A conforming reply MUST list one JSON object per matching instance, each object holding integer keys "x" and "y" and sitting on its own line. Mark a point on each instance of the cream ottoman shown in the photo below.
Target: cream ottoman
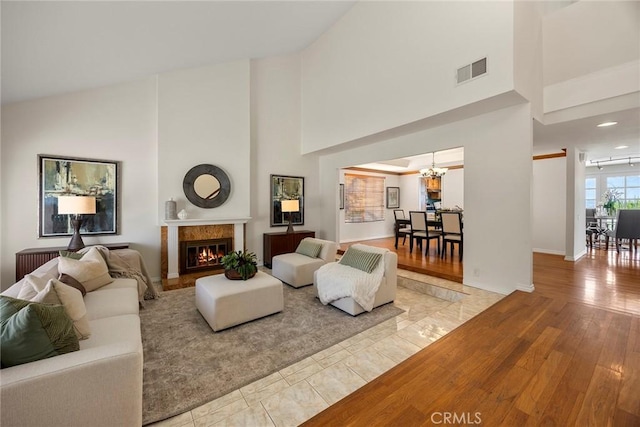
{"x": 225, "y": 303}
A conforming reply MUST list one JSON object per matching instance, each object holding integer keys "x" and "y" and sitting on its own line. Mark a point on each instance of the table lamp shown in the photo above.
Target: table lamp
{"x": 290, "y": 206}
{"x": 76, "y": 206}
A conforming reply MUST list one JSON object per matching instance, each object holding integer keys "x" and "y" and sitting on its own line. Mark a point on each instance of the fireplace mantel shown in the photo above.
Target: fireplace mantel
{"x": 173, "y": 245}
{"x": 204, "y": 221}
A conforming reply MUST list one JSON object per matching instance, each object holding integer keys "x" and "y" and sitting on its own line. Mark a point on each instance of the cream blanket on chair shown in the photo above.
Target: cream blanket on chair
{"x": 336, "y": 281}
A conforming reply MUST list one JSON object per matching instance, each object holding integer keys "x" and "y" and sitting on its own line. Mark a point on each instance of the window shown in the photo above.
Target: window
{"x": 364, "y": 198}
{"x": 629, "y": 188}
{"x": 590, "y": 198}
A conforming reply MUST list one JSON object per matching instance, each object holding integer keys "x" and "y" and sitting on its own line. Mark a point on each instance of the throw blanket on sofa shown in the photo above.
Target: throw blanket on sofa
{"x": 335, "y": 281}
{"x": 128, "y": 263}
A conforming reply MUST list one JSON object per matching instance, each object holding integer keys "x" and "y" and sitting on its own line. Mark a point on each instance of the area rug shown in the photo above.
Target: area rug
{"x": 187, "y": 365}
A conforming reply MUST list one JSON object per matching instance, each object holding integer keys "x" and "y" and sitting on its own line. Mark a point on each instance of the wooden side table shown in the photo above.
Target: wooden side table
{"x": 282, "y": 243}
{"x": 28, "y": 260}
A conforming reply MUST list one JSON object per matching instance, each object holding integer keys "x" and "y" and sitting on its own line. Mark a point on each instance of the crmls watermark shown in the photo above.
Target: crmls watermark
{"x": 457, "y": 418}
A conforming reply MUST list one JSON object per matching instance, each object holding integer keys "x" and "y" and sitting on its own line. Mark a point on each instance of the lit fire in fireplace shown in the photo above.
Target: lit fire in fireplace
{"x": 202, "y": 255}
{"x": 208, "y": 256}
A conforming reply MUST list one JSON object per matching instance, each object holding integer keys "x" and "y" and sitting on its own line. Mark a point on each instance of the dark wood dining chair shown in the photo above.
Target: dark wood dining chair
{"x": 402, "y": 226}
{"x": 420, "y": 231}
{"x": 451, "y": 232}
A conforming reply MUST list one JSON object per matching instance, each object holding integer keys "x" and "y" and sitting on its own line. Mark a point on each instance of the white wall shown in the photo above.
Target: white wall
{"x": 275, "y": 145}
{"x": 589, "y": 36}
{"x": 410, "y": 192}
{"x": 113, "y": 123}
{"x": 203, "y": 117}
{"x": 453, "y": 188}
{"x": 575, "y": 187}
{"x": 528, "y": 53}
{"x": 497, "y": 146}
{"x": 386, "y": 64}
{"x": 549, "y": 205}
{"x": 351, "y": 232}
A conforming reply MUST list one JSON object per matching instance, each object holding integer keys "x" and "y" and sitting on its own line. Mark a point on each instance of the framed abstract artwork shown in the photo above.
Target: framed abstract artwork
{"x": 286, "y": 188}
{"x": 65, "y": 176}
{"x": 393, "y": 197}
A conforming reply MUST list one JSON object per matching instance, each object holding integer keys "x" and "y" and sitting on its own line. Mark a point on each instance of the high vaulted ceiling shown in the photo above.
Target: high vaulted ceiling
{"x": 55, "y": 47}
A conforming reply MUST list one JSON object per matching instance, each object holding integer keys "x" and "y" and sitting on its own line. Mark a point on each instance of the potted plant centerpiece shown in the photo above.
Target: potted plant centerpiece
{"x": 610, "y": 200}
{"x": 239, "y": 265}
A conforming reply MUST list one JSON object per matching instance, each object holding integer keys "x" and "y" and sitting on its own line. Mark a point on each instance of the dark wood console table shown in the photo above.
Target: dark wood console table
{"x": 28, "y": 260}
{"x": 282, "y": 243}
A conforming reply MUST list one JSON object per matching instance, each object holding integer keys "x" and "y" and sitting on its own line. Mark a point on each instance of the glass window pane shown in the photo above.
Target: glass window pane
{"x": 615, "y": 182}
{"x": 633, "y": 181}
{"x": 590, "y": 183}
{"x": 590, "y": 203}
{"x": 633, "y": 193}
{"x": 590, "y": 194}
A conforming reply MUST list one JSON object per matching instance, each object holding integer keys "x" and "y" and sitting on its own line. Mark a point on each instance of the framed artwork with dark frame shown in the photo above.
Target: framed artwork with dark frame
{"x": 341, "y": 196}
{"x": 285, "y": 187}
{"x": 66, "y": 176}
{"x": 393, "y": 197}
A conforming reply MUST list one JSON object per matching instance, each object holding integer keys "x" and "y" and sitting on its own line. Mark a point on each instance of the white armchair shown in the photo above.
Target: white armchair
{"x": 386, "y": 292}
{"x": 296, "y": 269}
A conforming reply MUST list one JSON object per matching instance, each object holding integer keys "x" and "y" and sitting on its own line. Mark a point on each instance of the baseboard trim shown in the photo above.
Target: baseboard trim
{"x": 577, "y": 257}
{"x": 548, "y": 251}
{"x": 524, "y": 288}
{"x": 367, "y": 238}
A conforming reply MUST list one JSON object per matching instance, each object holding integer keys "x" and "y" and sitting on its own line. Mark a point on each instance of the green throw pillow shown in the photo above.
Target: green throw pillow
{"x": 362, "y": 260}
{"x": 69, "y": 254}
{"x": 309, "y": 248}
{"x": 31, "y": 331}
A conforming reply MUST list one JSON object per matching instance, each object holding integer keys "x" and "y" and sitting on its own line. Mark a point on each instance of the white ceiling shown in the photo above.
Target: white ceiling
{"x": 55, "y": 47}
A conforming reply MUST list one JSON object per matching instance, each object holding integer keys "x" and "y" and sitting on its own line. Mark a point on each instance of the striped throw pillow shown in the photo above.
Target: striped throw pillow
{"x": 309, "y": 248}
{"x": 362, "y": 260}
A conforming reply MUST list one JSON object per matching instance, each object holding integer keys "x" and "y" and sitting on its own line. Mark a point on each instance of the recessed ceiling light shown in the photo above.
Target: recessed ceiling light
{"x": 605, "y": 124}
{"x": 621, "y": 147}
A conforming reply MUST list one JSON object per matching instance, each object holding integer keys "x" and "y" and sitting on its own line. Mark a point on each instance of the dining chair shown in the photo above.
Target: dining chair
{"x": 592, "y": 226}
{"x": 402, "y": 226}
{"x": 451, "y": 232}
{"x": 420, "y": 231}
{"x": 627, "y": 227}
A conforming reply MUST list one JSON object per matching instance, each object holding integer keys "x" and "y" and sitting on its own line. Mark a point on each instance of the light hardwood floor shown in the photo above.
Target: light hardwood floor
{"x": 566, "y": 354}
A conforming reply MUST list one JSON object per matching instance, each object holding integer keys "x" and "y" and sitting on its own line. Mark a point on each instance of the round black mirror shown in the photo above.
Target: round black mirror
{"x": 206, "y": 186}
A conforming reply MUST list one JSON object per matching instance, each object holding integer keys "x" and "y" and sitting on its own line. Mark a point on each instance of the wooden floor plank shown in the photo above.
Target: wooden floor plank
{"x": 629, "y": 400}
{"x": 599, "y": 405}
{"x": 534, "y": 398}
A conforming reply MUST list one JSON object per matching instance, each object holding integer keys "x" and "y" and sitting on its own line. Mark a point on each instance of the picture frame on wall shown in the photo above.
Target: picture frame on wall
{"x": 393, "y": 197}
{"x": 284, "y": 187}
{"x": 341, "y": 196}
{"x": 69, "y": 176}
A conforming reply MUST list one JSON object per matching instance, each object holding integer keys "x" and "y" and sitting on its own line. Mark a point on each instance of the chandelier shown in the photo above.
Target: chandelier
{"x": 433, "y": 171}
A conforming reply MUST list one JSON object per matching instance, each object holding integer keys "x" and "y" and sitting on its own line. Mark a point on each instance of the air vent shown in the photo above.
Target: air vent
{"x": 471, "y": 71}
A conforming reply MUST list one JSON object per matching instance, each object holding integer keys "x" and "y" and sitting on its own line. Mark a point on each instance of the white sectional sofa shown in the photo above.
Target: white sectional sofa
{"x": 99, "y": 385}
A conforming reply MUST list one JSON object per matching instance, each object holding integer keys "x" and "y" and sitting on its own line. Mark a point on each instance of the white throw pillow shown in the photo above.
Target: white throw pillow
{"x": 56, "y": 292}
{"x": 91, "y": 270}
{"x": 31, "y": 286}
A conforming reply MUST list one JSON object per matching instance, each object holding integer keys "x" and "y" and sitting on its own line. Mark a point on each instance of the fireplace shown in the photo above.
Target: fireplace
{"x": 203, "y": 255}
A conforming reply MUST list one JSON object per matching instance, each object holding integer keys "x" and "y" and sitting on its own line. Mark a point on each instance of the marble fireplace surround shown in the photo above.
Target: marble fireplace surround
{"x": 198, "y": 228}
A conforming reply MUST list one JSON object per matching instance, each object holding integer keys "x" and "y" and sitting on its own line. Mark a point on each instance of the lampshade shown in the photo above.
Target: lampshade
{"x": 290, "y": 205}
{"x": 76, "y": 205}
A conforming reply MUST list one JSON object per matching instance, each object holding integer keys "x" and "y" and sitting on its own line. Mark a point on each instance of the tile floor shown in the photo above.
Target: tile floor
{"x": 298, "y": 392}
